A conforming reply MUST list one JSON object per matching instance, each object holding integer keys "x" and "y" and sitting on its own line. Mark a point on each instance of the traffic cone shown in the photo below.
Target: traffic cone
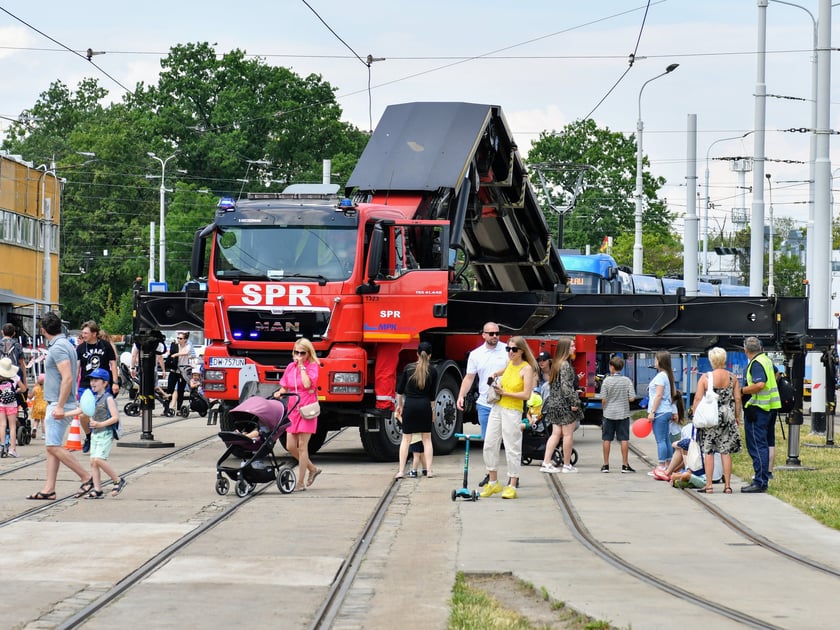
{"x": 74, "y": 438}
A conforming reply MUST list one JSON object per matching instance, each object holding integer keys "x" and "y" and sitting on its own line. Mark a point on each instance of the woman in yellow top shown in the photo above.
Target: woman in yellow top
{"x": 518, "y": 380}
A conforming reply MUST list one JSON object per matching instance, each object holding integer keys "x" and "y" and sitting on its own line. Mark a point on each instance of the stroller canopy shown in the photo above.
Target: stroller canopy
{"x": 268, "y": 412}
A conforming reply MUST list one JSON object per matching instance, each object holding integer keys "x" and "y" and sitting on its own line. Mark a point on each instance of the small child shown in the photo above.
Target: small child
{"x": 39, "y": 405}
{"x": 416, "y": 449}
{"x": 10, "y": 385}
{"x": 533, "y": 413}
{"x": 103, "y": 426}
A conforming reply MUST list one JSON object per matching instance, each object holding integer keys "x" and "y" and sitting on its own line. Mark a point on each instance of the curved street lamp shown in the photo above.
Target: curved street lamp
{"x": 638, "y": 250}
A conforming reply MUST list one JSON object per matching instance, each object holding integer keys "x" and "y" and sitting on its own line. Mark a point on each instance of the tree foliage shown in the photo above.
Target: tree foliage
{"x": 606, "y": 205}
{"x": 225, "y": 118}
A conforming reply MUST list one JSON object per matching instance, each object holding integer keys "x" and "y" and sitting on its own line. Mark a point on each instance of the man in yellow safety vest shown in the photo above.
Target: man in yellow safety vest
{"x": 764, "y": 398}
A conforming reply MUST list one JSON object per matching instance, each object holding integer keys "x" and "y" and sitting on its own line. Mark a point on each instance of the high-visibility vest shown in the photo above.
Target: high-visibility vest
{"x": 768, "y": 398}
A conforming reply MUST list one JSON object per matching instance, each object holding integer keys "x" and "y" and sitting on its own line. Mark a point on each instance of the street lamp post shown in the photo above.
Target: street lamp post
{"x": 638, "y": 250}
{"x": 162, "y": 268}
{"x": 771, "y": 288}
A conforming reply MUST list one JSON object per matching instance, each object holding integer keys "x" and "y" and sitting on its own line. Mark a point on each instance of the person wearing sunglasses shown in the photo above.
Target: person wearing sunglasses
{"x": 517, "y": 382}
{"x": 183, "y": 356}
{"x": 488, "y": 358}
{"x": 301, "y": 378}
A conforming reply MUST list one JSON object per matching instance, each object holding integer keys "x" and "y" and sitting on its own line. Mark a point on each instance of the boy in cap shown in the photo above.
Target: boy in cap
{"x": 103, "y": 425}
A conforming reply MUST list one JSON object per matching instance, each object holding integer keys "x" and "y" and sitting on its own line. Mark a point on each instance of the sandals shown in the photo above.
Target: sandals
{"x": 118, "y": 487}
{"x": 86, "y": 487}
{"x": 300, "y": 488}
{"x": 95, "y": 494}
{"x": 399, "y": 475}
{"x": 42, "y": 496}
{"x": 311, "y": 478}
{"x": 727, "y": 490}
{"x": 707, "y": 490}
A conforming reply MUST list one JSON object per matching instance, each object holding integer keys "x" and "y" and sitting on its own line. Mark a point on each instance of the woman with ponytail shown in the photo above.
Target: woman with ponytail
{"x": 415, "y": 405}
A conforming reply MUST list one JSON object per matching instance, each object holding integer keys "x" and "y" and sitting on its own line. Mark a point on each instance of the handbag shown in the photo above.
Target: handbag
{"x": 492, "y": 395}
{"x": 312, "y": 410}
{"x": 706, "y": 414}
{"x": 693, "y": 457}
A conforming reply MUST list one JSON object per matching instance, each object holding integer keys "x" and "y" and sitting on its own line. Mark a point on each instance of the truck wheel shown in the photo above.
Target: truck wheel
{"x": 445, "y": 418}
{"x": 383, "y": 445}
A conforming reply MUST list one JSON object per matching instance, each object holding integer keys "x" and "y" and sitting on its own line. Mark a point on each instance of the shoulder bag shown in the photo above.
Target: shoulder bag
{"x": 312, "y": 410}
{"x": 693, "y": 456}
{"x": 492, "y": 395}
{"x": 706, "y": 414}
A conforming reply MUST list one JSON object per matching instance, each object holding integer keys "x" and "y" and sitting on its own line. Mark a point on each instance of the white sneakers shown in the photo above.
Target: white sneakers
{"x": 568, "y": 468}
{"x": 549, "y": 468}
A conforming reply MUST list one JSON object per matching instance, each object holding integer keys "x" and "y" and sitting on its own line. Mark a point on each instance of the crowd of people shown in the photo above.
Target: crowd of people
{"x": 511, "y": 388}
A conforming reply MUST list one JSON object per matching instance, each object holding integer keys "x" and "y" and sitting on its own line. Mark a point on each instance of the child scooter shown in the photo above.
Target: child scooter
{"x": 465, "y": 492}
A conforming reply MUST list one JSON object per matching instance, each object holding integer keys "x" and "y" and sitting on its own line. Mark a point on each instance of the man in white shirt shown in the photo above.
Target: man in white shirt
{"x": 489, "y": 357}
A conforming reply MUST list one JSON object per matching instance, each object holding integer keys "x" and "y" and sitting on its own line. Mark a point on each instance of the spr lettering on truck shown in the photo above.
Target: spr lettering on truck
{"x": 271, "y": 294}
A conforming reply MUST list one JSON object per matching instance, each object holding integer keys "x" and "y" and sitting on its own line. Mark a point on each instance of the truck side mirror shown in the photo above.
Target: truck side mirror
{"x": 377, "y": 244}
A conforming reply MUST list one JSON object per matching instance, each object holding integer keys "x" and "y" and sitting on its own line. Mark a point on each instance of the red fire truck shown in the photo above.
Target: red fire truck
{"x": 438, "y": 232}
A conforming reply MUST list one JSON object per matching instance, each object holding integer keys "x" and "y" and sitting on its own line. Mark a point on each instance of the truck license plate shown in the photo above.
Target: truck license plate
{"x": 227, "y": 362}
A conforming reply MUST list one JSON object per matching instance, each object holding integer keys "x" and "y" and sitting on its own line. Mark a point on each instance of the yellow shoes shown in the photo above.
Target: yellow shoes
{"x": 490, "y": 489}
{"x": 509, "y": 493}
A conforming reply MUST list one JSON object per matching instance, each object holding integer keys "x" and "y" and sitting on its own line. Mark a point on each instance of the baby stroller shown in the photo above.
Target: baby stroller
{"x": 533, "y": 445}
{"x": 132, "y": 408}
{"x": 251, "y": 460}
{"x": 196, "y": 402}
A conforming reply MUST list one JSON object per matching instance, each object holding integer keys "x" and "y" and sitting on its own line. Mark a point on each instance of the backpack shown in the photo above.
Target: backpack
{"x": 10, "y": 348}
{"x": 786, "y": 393}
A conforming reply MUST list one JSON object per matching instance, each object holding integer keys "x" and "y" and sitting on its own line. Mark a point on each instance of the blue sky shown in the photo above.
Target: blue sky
{"x": 558, "y": 59}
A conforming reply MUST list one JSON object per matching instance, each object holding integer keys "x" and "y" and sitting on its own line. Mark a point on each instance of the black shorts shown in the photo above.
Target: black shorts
{"x": 615, "y": 429}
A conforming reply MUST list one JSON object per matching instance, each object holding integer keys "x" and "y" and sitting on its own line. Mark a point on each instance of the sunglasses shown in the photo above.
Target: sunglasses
{"x": 299, "y": 352}
{"x": 513, "y": 349}
{"x": 492, "y": 333}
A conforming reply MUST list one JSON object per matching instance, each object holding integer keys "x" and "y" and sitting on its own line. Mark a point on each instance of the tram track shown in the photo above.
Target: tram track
{"x": 747, "y": 533}
{"x": 39, "y": 459}
{"x": 590, "y": 542}
{"x": 334, "y": 599}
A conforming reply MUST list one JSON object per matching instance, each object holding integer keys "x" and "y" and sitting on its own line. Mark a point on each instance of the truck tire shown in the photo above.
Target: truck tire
{"x": 383, "y": 445}
{"x": 445, "y": 420}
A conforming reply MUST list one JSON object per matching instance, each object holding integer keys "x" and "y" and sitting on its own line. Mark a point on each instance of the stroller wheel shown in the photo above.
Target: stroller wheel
{"x": 574, "y": 457}
{"x": 132, "y": 409}
{"x": 526, "y": 461}
{"x": 243, "y": 488}
{"x": 169, "y": 413}
{"x": 286, "y": 479}
{"x": 184, "y": 411}
{"x": 222, "y": 486}
{"x": 557, "y": 457}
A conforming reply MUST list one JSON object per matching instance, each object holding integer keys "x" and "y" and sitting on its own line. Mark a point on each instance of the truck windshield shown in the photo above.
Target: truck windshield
{"x": 273, "y": 252}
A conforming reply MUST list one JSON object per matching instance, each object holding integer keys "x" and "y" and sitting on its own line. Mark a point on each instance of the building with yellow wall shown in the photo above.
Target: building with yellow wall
{"x": 30, "y": 213}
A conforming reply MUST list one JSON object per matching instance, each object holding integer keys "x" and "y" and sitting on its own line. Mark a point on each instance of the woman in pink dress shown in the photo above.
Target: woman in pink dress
{"x": 301, "y": 378}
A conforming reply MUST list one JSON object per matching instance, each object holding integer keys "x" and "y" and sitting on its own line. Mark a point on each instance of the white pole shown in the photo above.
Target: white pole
{"x": 638, "y": 250}
{"x": 151, "y": 252}
{"x": 162, "y": 238}
{"x": 771, "y": 287}
{"x": 690, "y": 243}
{"x": 757, "y": 216}
{"x": 326, "y": 173}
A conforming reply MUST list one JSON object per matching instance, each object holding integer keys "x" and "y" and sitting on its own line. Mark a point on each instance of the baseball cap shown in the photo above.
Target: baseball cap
{"x": 543, "y": 356}
{"x": 100, "y": 374}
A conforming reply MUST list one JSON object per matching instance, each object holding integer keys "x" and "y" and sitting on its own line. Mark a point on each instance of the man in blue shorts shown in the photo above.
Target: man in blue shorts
{"x": 60, "y": 372}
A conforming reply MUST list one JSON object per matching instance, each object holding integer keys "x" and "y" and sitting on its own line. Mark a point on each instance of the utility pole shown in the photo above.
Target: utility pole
{"x": 162, "y": 272}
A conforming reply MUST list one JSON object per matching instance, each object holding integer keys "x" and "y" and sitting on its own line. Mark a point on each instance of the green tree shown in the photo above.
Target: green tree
{"x": 217, "y": 113}
{"x": 606, "y": 204}
{"x": 663, "y": 253}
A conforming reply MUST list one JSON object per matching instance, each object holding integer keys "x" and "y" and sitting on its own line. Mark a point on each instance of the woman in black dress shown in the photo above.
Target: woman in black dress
{"x": 415, "y": 403}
